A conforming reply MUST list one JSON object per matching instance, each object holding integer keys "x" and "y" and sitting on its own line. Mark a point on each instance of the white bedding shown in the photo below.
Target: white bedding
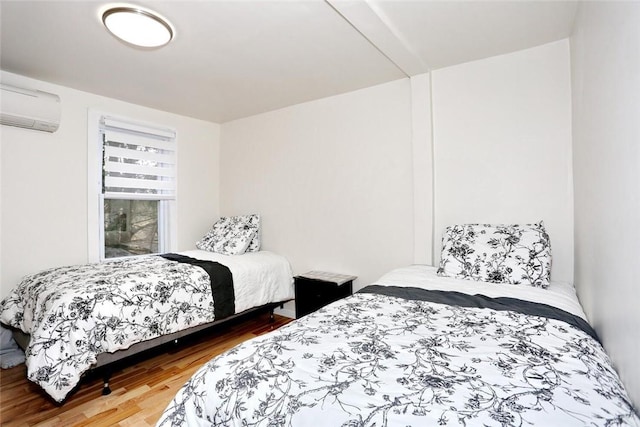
{"x": 559, "y": 295}
{"x": 258, "y": 277}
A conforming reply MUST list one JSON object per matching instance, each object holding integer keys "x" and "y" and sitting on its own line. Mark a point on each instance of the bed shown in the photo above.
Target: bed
{"x": 420, "y": 347}
{"x": 81, "y": 317}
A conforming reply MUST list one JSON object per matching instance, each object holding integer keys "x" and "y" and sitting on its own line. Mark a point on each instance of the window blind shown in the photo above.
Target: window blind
{"x": 139, "y": 161}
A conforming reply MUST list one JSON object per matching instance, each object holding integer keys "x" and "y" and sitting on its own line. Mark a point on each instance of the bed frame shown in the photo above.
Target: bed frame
{"x": 107, "y": 361}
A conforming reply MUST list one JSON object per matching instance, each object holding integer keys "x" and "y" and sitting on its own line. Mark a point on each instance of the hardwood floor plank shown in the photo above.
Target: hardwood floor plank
{"x": 140, "y": 391}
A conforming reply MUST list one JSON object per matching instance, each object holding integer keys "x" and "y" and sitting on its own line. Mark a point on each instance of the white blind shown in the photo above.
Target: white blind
{"x": 139, "y": 161}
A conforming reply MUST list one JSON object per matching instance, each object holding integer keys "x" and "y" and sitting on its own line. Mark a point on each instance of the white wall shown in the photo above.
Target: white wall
{"x": 605, "y": 55}
{"x": 44, "y": 182}
{"x": 422, "y": 154}
{"x": 331, "y": 178}
{"x": 502, "y": 145}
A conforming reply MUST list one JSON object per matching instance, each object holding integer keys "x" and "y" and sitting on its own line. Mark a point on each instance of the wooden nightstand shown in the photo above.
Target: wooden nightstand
{"x": 316, "y": 289}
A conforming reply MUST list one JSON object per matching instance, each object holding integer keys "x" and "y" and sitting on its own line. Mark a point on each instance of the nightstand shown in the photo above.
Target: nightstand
{"x": 316, "y": 289}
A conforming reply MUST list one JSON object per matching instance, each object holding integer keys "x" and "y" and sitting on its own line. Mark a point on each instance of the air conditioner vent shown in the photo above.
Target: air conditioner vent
{"x": 30, "y": 109}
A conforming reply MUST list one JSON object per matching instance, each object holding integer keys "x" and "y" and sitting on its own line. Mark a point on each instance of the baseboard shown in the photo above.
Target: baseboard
{"x": 286, "y": 312}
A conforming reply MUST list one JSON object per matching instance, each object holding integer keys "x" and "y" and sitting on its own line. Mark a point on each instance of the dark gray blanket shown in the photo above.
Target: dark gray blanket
{"x": 465, "y": 300}
{"x": 221, "y": 283}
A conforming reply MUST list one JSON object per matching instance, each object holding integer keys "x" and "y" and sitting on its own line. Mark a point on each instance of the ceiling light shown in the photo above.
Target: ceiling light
{"x": 137, "y": 26}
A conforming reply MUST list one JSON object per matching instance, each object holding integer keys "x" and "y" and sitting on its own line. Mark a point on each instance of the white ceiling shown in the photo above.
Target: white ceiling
{"x": 232, "y": 59}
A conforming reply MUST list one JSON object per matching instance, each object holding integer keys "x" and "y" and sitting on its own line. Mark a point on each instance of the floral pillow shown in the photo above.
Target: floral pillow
{"x": 254, "y": 221}
{"x": 514, "y": 254}
{"x": 217, "y": 231}
{"x": 232, "y": 235}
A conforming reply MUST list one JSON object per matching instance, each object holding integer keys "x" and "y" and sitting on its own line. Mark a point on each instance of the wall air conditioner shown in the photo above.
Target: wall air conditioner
{"x": 30, "y": 109}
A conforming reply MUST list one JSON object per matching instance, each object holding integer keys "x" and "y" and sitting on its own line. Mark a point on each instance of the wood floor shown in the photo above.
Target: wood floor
{"x": 140, "y": 390}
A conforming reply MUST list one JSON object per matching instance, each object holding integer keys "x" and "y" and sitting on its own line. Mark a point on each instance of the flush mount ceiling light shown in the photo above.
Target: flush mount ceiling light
{"x": 137, "y": 26}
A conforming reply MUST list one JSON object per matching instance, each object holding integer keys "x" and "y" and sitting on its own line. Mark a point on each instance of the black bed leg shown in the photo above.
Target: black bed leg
{"x": 105, "y": 387}
{"x": 271, "y": 316}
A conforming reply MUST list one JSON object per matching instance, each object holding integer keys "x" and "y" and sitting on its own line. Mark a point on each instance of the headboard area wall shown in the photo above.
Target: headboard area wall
{"x": 502, "y": 146}
{"x": 332, "y": 179}
{"x": 335, "y": 179}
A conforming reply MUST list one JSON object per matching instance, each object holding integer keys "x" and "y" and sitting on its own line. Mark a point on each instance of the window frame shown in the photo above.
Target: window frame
{"x": 167, "y": 209}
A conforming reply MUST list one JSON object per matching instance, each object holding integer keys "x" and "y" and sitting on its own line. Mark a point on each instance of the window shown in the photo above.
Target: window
{"x": 130, "y": 227}
{"x": 137, "y": 181}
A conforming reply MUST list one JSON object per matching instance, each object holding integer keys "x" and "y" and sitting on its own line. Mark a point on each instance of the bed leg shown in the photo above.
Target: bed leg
{"x": 271, "y": 316}
{"x": 105, "y": 387}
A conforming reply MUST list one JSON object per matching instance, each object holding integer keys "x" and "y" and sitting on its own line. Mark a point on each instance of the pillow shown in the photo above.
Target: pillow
{"x": 216, "y": 233}
{"x": 232, "y": 235}
{"x": 254, "y": 221}
{"x": 514, "y": 254}
{"x": 234, "y": 240}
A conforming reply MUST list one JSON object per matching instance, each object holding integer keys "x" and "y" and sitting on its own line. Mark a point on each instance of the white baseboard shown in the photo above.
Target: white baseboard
{"x": 286, "y": 312}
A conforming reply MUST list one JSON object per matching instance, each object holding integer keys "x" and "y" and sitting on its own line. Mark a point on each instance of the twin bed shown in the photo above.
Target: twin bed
{"x": 484, "y": 339}
{"x": 416, "y": 349}
{"x": 86, "y": 316}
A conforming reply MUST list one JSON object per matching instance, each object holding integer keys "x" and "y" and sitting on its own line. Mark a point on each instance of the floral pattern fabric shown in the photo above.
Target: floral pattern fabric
{"x": 514, "y": 254}
{"x": 75, "y": 313}
{"x": 233, "y": 235}
{"x": 375, "y": 360}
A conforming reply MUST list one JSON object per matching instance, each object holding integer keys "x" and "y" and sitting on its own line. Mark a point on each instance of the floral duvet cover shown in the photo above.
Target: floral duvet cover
{"x": 390, "y": 356}
{"x": 75, "y": 313}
